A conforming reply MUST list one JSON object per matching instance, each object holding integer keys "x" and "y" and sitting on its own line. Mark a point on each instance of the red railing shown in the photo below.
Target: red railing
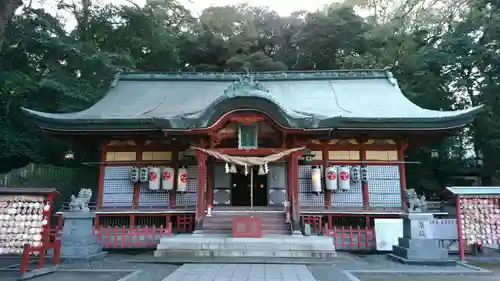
{"x": 53, "y": 242}
{"x": 357, "y": 234}
{"x": 131, "y": 238}
{"x": 181, "y": 223}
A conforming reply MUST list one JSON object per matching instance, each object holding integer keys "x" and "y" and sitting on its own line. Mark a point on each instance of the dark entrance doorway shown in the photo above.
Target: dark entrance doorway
{"x": 240, "y": 189}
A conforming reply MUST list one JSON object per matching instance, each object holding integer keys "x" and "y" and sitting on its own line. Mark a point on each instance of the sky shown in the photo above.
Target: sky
{"x": 283, "y": 7}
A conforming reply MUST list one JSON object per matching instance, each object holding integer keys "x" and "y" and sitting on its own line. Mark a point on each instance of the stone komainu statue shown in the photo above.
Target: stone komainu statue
{"x": 414, "y": 203}
{"x": 81, "y": 202}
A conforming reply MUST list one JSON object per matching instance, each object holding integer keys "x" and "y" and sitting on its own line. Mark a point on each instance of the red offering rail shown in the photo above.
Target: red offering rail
{"x": 130, "y": 238}
{"x": 25, "y": 228}
{"x": 247, "y": 227}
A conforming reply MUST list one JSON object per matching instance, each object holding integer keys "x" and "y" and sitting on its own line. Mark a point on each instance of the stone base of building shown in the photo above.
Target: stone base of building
{"x": 421, "y": 262}
{"x": 417, "y": 245}
{"x": 220, "y": 246}
{"x": 78, "y": 240}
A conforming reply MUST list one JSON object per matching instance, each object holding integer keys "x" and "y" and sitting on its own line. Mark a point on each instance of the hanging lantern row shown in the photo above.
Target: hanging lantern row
{"x": 22, "y": 221}
{"x": 160, "y": 178}
{"x": 337, "y": 177}
{"x": 480, "y": 220}
{"x": 359, "y": 174}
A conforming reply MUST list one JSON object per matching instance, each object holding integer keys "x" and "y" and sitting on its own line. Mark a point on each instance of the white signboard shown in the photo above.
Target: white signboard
{"x": 387, "y": 232}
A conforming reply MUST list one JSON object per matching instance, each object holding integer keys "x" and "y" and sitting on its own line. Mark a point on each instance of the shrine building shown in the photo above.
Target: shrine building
{"x": 324, "y": 148}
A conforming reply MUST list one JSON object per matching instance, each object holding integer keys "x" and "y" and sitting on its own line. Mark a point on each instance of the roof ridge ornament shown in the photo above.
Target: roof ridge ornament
{"x": 245, "y": 82}
{"x": 390, "y": 76}
{"x": 116, "y": 78}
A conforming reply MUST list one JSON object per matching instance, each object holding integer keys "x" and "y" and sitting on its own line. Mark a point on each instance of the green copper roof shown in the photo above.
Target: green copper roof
{"x": 349, "y": 99}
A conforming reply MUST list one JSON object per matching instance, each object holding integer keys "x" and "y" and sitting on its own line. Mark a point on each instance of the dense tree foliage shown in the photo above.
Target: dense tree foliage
{"x": 444, "y": 54}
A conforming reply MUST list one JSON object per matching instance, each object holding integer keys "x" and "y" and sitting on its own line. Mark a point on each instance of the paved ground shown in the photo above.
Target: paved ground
{"x": 82, "y": 276}
{"x": 253, "y": 271}
{"x": 241, "y": 272}
{"x": 423, "y": 278}
{"x": 68, "y": 276}
{"x": 151, "y": 272}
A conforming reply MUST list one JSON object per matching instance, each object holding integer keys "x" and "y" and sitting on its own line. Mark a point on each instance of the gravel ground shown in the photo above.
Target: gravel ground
{"x": 380, "y": 262}
{"x": 82, "y": 276}
{"x": 327, "y": 273}
{"x": 65, "y": 276}
{"x": 8, "y": 261}
{"x": 426, "y": 278}
{"x": 152, "y": 272}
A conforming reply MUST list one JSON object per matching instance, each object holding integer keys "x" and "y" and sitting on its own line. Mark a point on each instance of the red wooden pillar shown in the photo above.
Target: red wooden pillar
{"x": 402, "y": 170}
{"x": 200, "y": 186}
{"x": 102, "y": 168}
{"x": 364, "y": 185}
{"x": 328, "y": 194}
{"x": 210, "y": 183}
{"x": 294, "y": 184}
{"x": 137, "y": 186}
{"x": 175, "y": 164}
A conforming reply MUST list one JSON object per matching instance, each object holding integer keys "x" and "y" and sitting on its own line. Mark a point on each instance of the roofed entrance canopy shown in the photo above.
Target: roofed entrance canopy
{"x": 319, "y": 100}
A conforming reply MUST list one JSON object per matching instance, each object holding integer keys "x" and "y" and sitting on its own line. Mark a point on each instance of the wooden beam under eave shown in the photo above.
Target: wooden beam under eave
{"x": 402, "y": 145}
{"x": 102, "y": 171}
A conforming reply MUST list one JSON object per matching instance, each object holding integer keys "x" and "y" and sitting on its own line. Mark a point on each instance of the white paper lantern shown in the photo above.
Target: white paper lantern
{"x": 316, "y": 179}
{"x": 331, "y": 178}
{"x": 344, "y": 178}
{"x": 167, "y": 178}
{"x": 154, "y": 178}
{"x": 182, "y": 180}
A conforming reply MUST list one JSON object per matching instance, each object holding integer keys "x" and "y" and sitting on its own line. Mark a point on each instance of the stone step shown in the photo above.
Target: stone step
{"x": 280, "y": 246}
{"x": 221, "y": 223}
{"x": 229, "y": 232}
{"x": 230, "y": 219}
{"x": 243, "y": 253}
{"x": 245, "y": 247}
{"x": 247, "y": 260}
{"x": 229, "y": 224}
{"x": 201, "y": 241}
{"x": 267, "y": 225}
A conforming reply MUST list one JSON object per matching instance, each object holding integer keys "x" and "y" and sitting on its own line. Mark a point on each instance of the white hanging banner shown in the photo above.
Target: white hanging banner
{"x": 167, "y": 178}
{"x": 154, "y": 178}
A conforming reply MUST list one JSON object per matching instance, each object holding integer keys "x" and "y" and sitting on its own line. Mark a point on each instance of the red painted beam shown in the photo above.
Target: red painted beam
{"x": 402, "y": 171}
{"x": 175, "y": 165}
{"x": 328, "y": 194}
{"x": 294, "y": 178}
{"x": 102, "y": 167}
{"x": 364, "y": 185}
{"x": 200, "y": 185}
{"x": 210, "y": 183}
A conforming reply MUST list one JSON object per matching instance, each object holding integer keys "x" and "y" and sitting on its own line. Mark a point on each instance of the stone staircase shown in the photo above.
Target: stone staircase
{"x": 221, "y": 222}
{"x": 227, "y": 249}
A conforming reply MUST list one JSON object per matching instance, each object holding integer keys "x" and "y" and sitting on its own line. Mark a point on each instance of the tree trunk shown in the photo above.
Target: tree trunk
{"x": 7, "y": 10}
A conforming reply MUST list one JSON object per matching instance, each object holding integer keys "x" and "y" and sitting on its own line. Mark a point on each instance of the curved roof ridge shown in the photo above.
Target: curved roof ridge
{"x": 261, "y": 76}
{"x": 316, "y": 99}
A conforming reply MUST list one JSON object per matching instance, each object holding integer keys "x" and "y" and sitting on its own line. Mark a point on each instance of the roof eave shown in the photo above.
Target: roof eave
{"x": 336, "y": 123}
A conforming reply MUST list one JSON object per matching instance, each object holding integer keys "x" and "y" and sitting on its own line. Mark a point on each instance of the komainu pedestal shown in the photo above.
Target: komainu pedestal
{"x": 418, "y": 246}
{"x": 78, "y": 240}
